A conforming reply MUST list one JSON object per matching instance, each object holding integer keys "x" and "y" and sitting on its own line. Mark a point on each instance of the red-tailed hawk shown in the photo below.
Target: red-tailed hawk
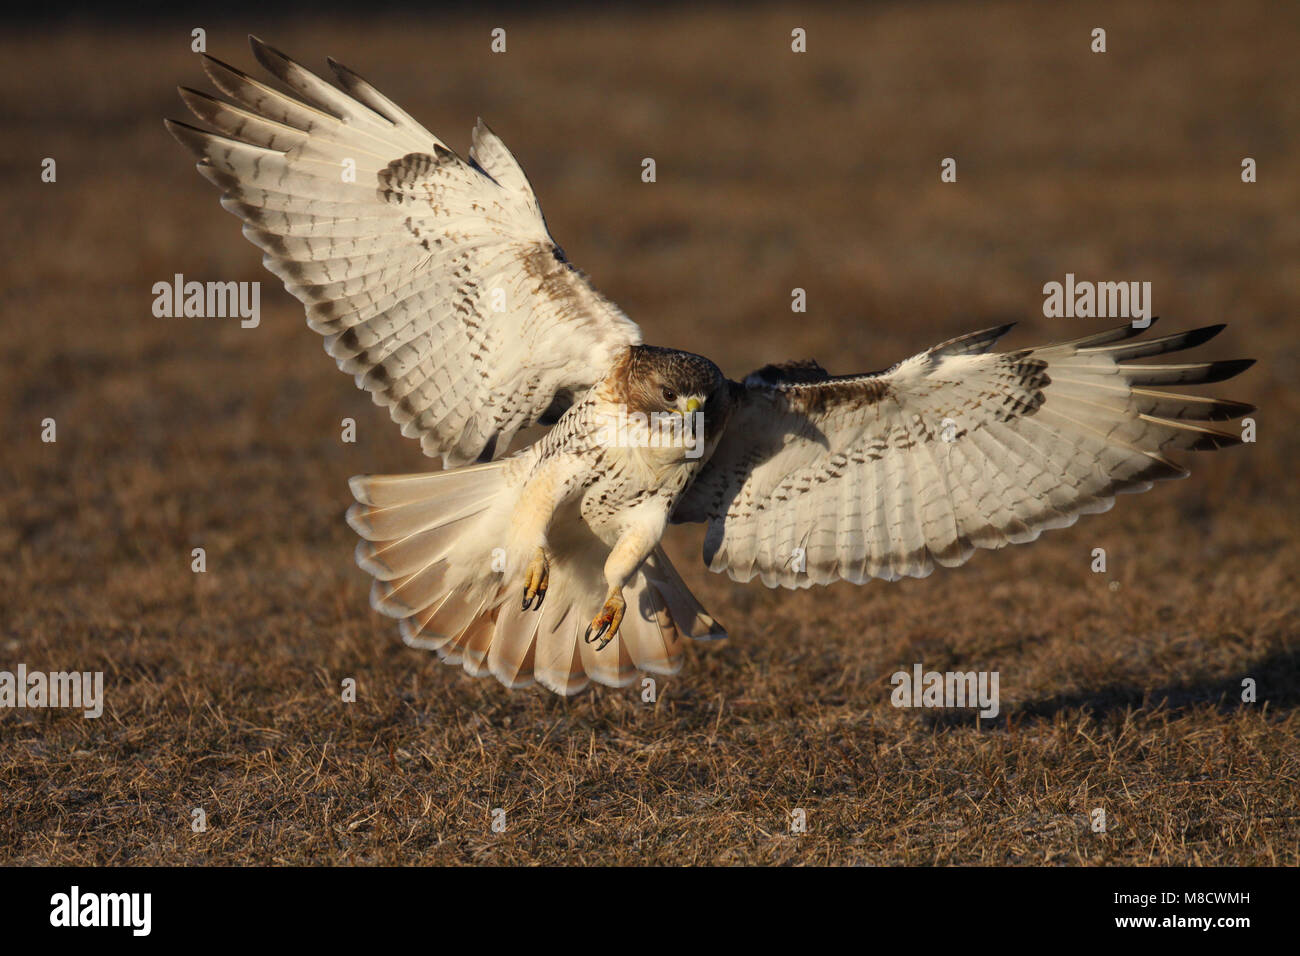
{"x": 436, "y": 284}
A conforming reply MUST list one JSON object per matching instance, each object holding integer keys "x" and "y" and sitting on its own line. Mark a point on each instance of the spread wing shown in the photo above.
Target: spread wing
{"x": 433, "y": 279}
{"x": 818, "y": 478}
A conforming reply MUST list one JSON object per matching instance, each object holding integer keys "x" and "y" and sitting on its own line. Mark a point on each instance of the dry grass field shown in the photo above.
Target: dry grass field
{"x": 1119, "y": 691}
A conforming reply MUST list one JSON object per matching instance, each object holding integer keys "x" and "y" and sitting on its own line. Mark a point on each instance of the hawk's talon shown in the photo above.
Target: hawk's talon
{"x": 606, "y": 622}
{"x": 589, "y": 638}
{"x": 537, "y": 578}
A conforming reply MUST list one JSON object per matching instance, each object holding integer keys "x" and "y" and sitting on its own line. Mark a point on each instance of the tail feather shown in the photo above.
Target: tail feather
{"x": 513, "y": 648}
{"x": 406, "y": 555}
{"x": 658, "y": 648}
{"x": 468, "y": 649}
{"x": 448, "y": 617}
{"x": 429, "y": 542}
{"x": 404, "y": 597}
{"x": 689, "y": 615}
{"x": 558, "y": 663}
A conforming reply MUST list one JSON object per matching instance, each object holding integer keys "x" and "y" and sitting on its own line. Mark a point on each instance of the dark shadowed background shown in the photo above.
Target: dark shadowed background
{"x": 775, "y": 170}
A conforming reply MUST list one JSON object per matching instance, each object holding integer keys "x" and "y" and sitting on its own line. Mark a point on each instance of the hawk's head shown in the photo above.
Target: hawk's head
{"x": 664, "y": 380}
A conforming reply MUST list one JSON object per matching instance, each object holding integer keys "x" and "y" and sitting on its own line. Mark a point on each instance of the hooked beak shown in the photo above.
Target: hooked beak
{"x": 692, "y": 405}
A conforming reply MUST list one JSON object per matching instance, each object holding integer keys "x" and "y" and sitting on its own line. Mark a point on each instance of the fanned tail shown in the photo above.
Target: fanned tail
{"x": 436, "y": 546}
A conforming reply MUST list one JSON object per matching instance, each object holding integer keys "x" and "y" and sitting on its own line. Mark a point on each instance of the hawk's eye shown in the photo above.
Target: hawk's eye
{"x": 669, "y": 395}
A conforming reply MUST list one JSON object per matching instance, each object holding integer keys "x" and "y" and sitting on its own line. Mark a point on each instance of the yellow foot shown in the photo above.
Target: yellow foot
{"x": 536, "y": 579}
{"x": 605, "y": 626}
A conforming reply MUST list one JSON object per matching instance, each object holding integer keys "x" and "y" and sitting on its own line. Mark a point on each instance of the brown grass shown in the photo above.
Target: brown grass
{"x": 775, "y": 171}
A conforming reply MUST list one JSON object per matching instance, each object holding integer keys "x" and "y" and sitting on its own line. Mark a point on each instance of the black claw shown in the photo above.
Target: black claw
{"x": 539, "y": 596}
{"x": 599, "y": 634}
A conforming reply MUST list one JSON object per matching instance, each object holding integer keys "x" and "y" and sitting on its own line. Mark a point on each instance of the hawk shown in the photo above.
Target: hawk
{"x": 436, "y": 284}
